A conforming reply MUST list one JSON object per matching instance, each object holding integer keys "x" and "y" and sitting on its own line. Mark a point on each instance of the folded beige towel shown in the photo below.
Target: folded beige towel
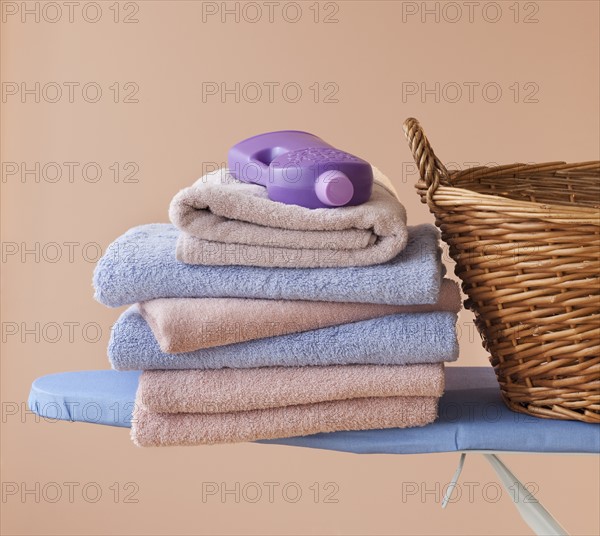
{"x": 151, "y": 429}
{"x": 228, "y": 222}
{"x": 230, "y": 390}
{"x": 188, "y": 324}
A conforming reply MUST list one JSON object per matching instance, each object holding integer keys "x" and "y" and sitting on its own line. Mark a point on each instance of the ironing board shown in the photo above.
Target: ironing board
{"x": 472, "y": 419}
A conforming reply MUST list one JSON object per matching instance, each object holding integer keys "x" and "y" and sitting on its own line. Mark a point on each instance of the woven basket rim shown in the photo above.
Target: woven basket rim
{"x": 546, "y": 207}
{"x": 500, "y": 201}
{"x": 540, "y": 166}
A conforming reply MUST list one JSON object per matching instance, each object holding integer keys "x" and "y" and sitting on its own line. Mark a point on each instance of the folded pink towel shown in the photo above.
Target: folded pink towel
{"x": 230, "y": 390}
{"x": 228, "y": 222}
{"x": 188, "y": 324}
{"x": 151, "y": 429}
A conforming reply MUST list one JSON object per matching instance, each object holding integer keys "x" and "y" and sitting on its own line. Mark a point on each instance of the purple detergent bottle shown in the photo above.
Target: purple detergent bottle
{"x": 298, "y": 168}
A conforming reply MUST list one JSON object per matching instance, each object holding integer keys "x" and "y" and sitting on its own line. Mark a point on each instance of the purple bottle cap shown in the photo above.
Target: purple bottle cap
{"x": 334, "y": 188}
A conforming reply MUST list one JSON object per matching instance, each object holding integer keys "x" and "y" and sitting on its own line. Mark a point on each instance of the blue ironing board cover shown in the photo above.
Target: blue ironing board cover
{"x": 472, "y": 416}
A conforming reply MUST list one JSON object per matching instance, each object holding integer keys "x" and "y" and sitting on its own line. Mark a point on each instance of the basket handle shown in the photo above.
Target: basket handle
{"x": 432, "y": 171}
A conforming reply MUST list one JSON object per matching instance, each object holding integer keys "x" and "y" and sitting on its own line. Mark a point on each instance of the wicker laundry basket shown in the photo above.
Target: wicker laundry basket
{"x": 526, "y": 241}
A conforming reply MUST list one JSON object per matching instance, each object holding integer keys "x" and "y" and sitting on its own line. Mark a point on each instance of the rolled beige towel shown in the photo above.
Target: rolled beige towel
{"x": 228, "y": 222}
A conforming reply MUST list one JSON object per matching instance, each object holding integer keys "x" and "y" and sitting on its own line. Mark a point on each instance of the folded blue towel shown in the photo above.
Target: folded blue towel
{"x": 141, "y": 265}
{"x": 398, "y": 339}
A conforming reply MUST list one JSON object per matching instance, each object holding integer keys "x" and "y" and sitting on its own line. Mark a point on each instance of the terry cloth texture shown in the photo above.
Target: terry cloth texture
{"x": 141, "y": 265}
{"x": 227, "y": 390}
{"x": 399, "y": 339}
{"x": 229, "y": 222}
{"x": 188, "y": 324}
{"x": 151, "y": 429}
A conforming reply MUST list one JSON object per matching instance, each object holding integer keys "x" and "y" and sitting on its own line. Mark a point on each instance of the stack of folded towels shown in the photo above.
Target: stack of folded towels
{"x": 255, "y": 319}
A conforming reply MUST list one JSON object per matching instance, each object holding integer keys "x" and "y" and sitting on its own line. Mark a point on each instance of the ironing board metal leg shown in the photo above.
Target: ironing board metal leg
{"x": 532, "y": 512}
{"x": 454, "y": 481}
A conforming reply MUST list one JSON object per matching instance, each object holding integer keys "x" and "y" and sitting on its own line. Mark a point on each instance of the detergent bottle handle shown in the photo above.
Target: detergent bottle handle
{"x": 253, "y": 167}
{"x": 256, "y": 171}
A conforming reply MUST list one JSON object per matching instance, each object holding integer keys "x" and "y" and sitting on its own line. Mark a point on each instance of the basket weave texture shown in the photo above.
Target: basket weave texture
{"x": 526, "y": 242}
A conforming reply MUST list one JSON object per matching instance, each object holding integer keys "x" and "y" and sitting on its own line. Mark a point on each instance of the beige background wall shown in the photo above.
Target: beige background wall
{"x": 361, "y": 67}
